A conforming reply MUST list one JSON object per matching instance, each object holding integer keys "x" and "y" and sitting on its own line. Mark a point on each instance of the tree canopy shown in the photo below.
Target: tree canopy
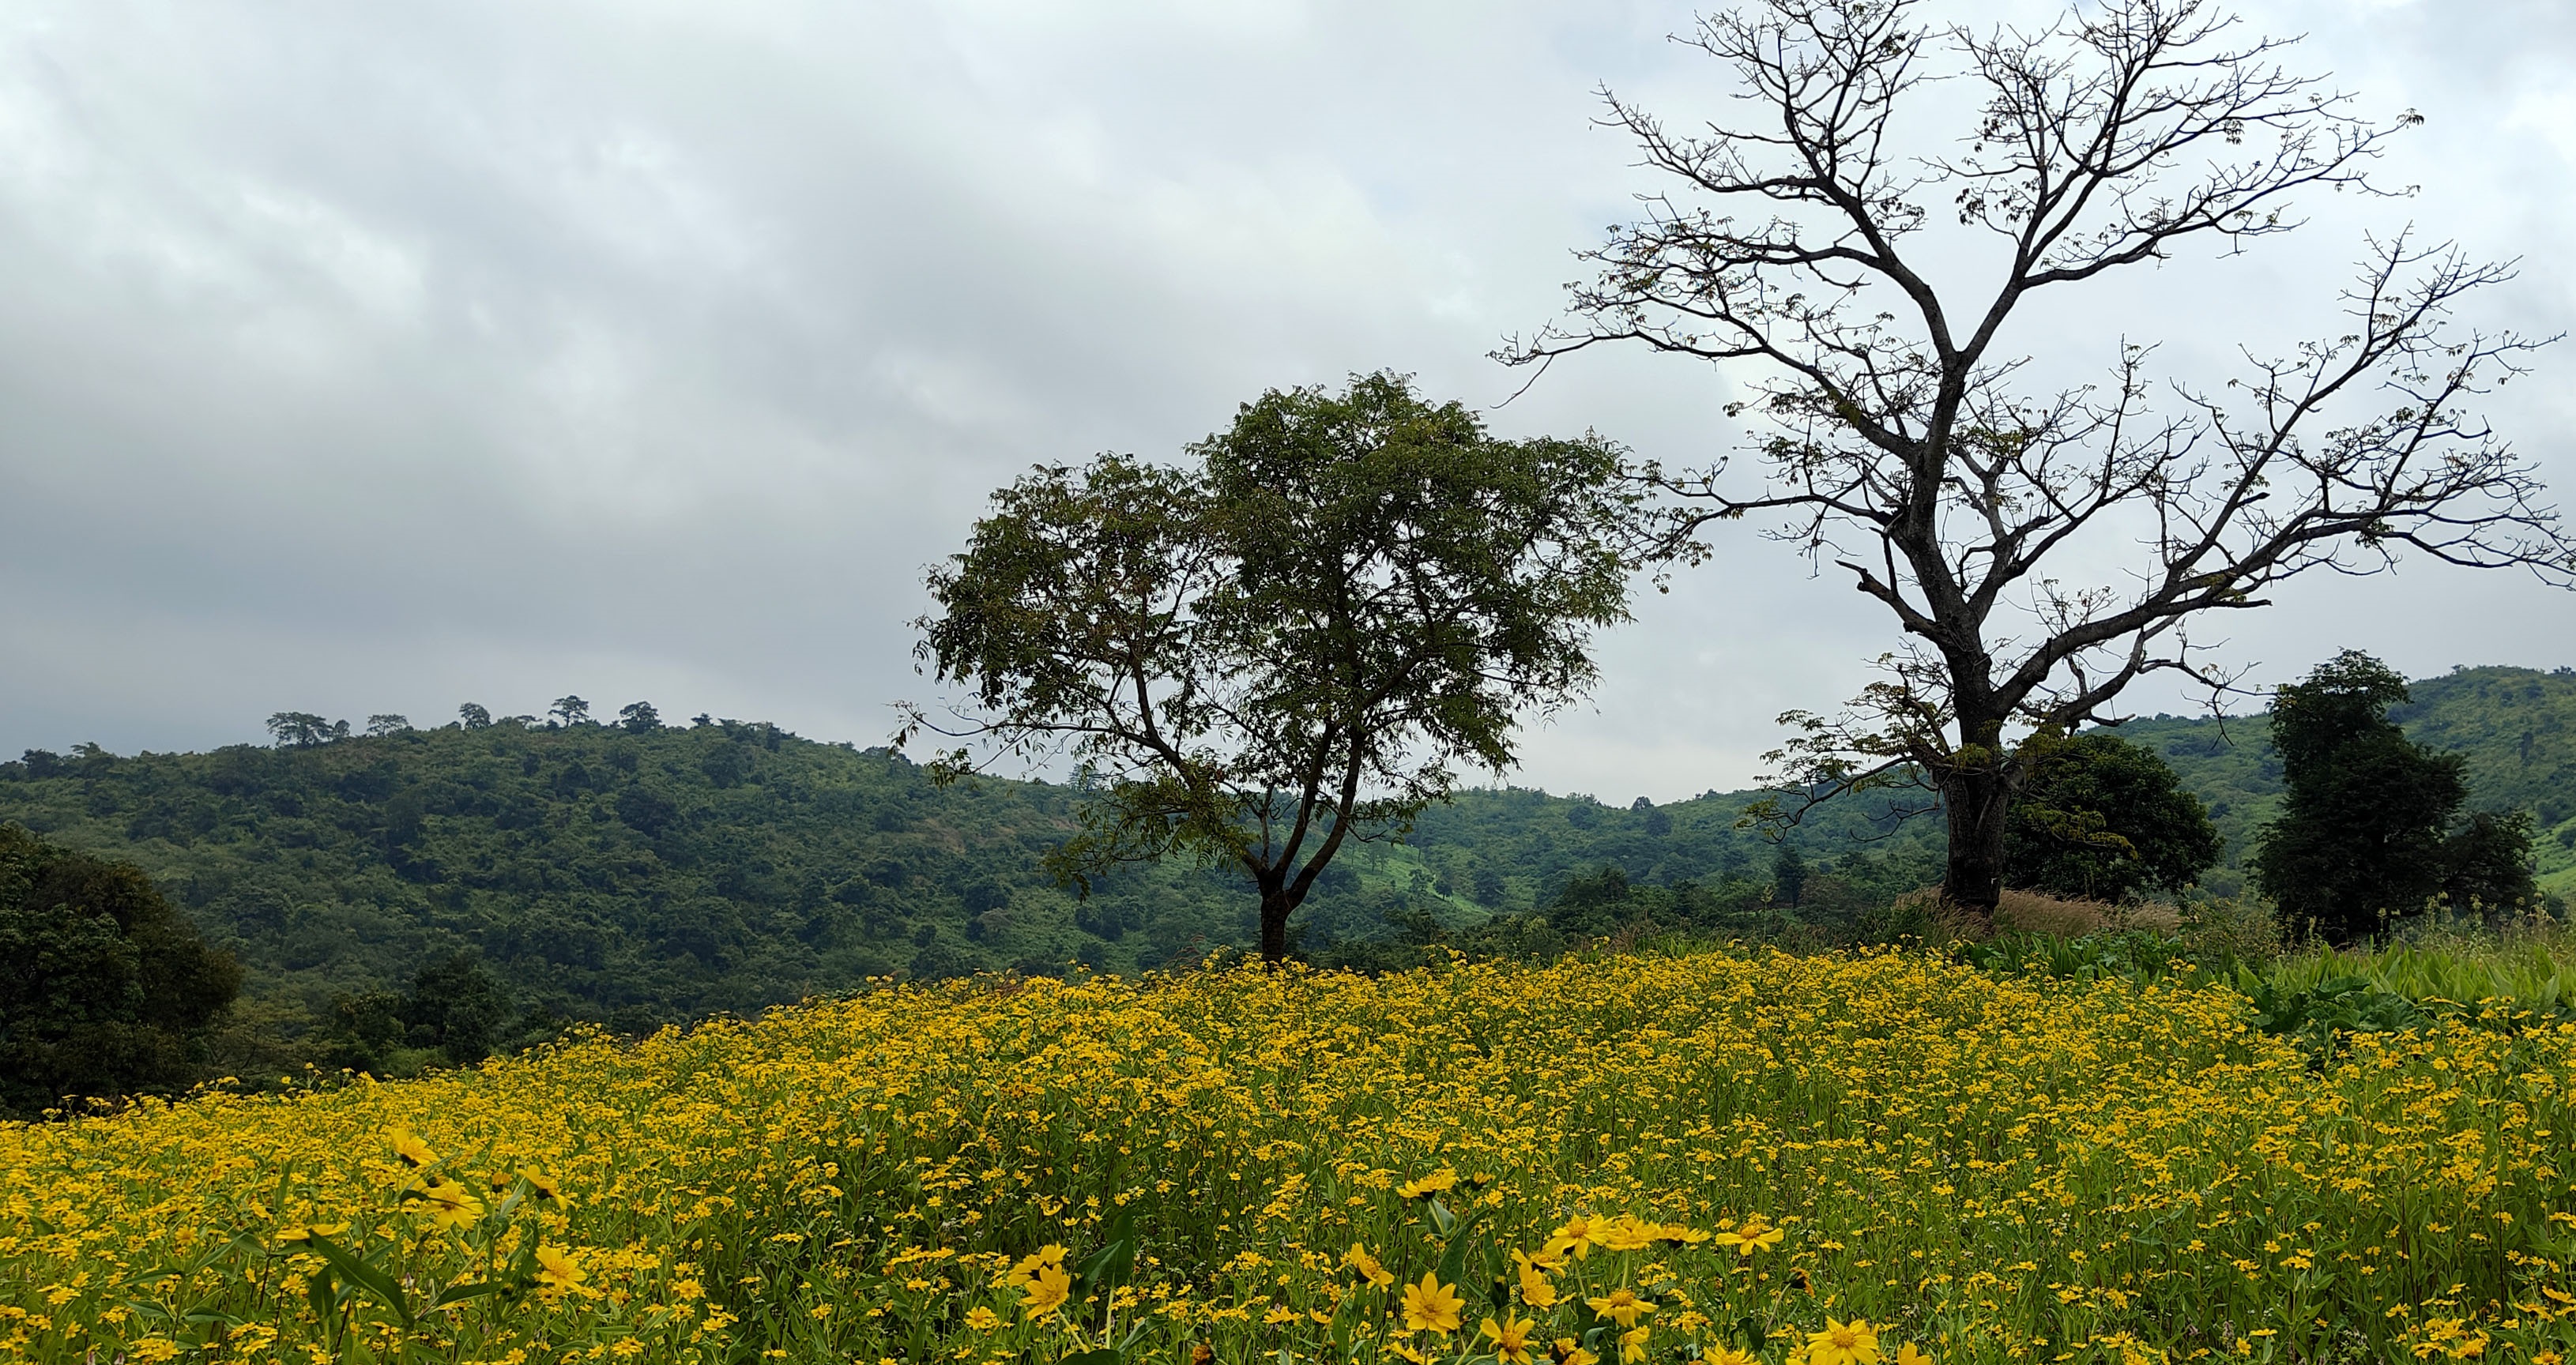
{"x": 105, "y": 989}
{"x": 2370, "y": 826}
{"x": 1293, "y": 642}
{"x": 2099, "y": 818}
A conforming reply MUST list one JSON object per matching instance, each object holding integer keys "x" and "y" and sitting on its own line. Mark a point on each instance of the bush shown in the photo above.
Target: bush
{"x": 105, "y": 989}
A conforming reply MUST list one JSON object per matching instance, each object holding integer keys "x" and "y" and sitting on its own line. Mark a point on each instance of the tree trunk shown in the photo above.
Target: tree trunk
{"x": 1277, "y": 903}
{"x": 1975, "y": 800}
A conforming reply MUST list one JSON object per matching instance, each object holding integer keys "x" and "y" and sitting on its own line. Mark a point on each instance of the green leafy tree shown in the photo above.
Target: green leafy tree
{"x": 1788, "y": 875}
{"x": 1291, "y": 643}
{"x": 105, "y": 989}
{"x": 2042, "y": 545}
{"x": 473, "y": 716}
{"x": 2099, "y": 818}
{"x": 456, "y": 1005}
{"x": 303, "y": 729}
{"x": 569, "y": 711}
{"x": 639, "y": 718}
{"x": 2367, "y": 824}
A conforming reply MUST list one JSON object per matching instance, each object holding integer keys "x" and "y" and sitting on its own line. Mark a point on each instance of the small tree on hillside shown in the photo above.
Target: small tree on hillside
{"x": 304, "y": 729}
{"x": 1904, "y": 446}
{"x": 1290, "y": 643}
{"x": 2369, "y": 826}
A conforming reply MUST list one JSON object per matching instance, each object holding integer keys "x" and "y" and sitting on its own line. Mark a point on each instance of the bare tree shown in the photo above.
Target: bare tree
{"x": 1902, "y": 447}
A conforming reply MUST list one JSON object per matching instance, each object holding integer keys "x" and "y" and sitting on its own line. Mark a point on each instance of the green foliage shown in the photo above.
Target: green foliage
{"x": 603, "y": 872}
{"x": 2366, "y": 831}
{"x": 105, "y": 989}
{"x": 1291, "y": 644}
{"x": 2131, "y": 955}
{"x": 2515, "y": 727}
{"x": 644, "y": 874}
{"x": 2099, "y": 818}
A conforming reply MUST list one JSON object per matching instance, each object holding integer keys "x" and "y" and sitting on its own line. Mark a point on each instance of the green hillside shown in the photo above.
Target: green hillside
{"x": 2516, "y": 725}
{"x": 639, "y": 877}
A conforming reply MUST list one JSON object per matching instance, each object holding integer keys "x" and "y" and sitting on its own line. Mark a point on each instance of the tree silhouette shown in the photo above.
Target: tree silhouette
{"x": 1903, "y": 446}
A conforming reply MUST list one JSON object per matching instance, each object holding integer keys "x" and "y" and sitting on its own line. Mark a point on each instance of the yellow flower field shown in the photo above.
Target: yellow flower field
{"x": 1717, "y": 1156}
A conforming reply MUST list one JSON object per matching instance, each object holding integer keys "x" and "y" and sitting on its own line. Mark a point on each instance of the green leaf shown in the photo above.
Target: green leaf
{"x": 1110, "y": 1266}
{"x": 358, "y": 1272}
{"x": 459, "y": 1293}
{"x": 326, "y": 1305}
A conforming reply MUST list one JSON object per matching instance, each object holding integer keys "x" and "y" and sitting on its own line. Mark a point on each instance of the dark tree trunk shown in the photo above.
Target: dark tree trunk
{"x": 1278, "y": 901}
{"x": 1976, "y": 800}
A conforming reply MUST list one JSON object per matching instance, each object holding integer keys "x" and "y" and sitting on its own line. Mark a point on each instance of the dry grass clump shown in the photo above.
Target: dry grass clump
{"x": 2044, "y": 914}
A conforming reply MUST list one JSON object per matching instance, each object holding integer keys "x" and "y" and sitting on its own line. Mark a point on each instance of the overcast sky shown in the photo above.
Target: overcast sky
{"x": 363, "y": 358}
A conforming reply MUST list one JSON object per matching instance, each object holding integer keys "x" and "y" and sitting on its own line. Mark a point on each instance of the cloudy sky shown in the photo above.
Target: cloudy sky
{"x": 380, "y": 358}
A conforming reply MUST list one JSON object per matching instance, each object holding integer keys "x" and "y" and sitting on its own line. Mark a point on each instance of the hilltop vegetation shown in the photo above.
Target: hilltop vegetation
{"x": 642, "y": 875}
{"x": 639, "y": 876}
{"x": 2517, "y": 727}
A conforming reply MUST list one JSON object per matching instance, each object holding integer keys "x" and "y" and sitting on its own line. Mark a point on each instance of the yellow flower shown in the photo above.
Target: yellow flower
{"x": 1682, "y": 1233}
{"x": 1510, "y": 1337}
{"x": 1431, "y": 1305}
{"x": 408, "y": 1146}
{"x": 543, "y": 1186}
{"x": 1568, "y": 1352}
{"x": 982, "y": 1319}
{"x": 1046, "y": 1291}
{"x": 1621, "y": 1306}
{"x": 1755, "y": 1235}
{"x": 1909, "y": 1354}
{"x": 1535, "y": 1290}
{"x": 1434, "y": 1183}
{"x": 1730, "y": 1355}
{"x": 1277, "y": 1316}
{"x": 1632, "y": 1346}
{"x": 1627, "y": 1233}
{"x": 1843, "y": 1343}
{"x": 556, "y": 1270}
{"x": 1370, "y": 1268}
{"x": 1026, "y": 1272}
{"x": 1576, "y": 1236}
{"x": 307, "y": 1234}
{"x": 450, "y": 1205}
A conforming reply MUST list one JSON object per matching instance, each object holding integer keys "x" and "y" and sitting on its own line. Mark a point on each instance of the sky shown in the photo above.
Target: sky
{"x": 361, "y": 359}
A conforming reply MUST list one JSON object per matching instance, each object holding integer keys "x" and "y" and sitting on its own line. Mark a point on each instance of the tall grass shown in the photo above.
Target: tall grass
{"x": 2531, "y": 963}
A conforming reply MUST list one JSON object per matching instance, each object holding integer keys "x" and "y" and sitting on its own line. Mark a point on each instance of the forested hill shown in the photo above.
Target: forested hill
{"x": 642, "y": 876}
{"x": 2517, "y": 727}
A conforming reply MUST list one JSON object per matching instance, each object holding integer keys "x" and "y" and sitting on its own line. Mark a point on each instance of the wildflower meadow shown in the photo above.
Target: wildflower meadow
{"x": 1718, "y": 1155}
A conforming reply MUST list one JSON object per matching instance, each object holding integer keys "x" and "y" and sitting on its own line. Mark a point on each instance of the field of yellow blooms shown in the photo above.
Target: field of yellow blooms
{"x": 1714, "y": 1156}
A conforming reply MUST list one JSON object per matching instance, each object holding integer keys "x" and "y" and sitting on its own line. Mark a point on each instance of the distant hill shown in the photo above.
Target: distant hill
{"x": 2516, "y": 725}
{"x": 639, "y": 877}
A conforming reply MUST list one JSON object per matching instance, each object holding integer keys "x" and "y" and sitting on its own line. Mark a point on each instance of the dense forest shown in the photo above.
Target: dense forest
{"x": 635, "y": 872}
